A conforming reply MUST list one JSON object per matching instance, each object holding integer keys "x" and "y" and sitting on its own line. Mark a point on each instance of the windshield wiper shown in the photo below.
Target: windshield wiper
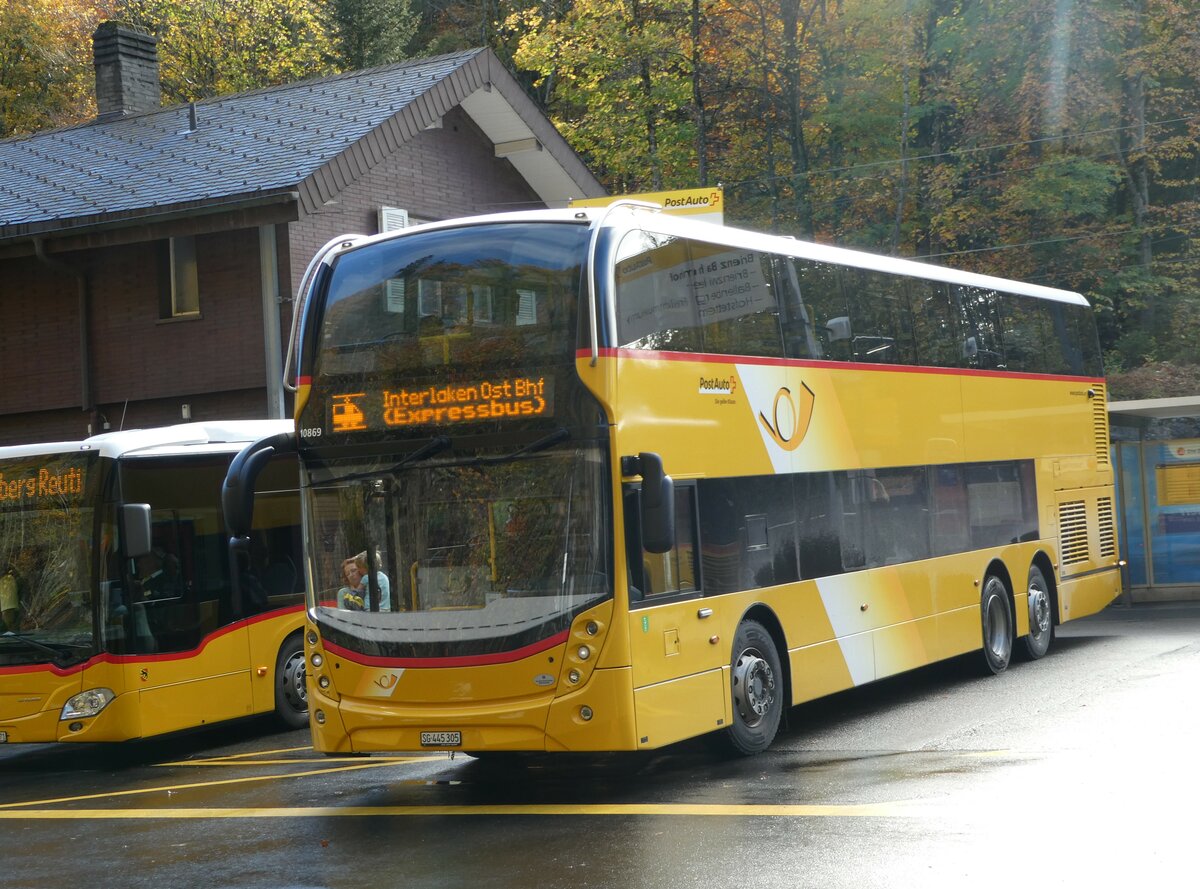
{"x": 560, "y": 434}
{"x": 434, "y": 446}
{"x": 57, "y": 655}
{"x": 424, "y": 452}
{"x": 441, "y": 443}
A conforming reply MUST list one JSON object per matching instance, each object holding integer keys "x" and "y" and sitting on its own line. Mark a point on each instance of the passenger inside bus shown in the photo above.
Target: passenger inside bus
{"x": 10, "y": 603}
{"x": 355, "y": 595}
{"x": 160, "y": 575}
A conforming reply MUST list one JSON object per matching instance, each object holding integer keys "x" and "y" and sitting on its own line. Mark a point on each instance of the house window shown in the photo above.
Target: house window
{"x": 181, "y": 295}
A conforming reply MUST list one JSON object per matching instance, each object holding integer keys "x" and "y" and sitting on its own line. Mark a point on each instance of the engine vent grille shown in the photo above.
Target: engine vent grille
{"x": 1108, "y": 528}
{"x": 1072, "y": 532}
{"x": 1100, "y": 425}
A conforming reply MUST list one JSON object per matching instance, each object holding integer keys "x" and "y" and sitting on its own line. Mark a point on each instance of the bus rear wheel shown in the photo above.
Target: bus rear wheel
{"x": 756, "y": 681}
{"x": 1041, "y": 617}
{"x": 997, "y": 625}
{"x": 291, "y": 690}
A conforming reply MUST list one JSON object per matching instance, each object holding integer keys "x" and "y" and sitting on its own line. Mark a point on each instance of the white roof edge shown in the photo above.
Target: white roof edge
{"x": 751, "y": 240}
{"x": 164, "y": 439}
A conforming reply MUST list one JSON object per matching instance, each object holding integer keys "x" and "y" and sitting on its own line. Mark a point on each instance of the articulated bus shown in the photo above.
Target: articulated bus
{"x": 618, "y": 479}
{"x": 119, "y": 615}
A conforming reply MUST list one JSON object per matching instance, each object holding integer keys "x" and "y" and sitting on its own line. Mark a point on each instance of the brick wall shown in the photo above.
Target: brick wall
{"x": 72, "y": 425}
{"x": 39, "y": 337}
{"x": 141, "y": 365}
{"x": 137, "y": 356}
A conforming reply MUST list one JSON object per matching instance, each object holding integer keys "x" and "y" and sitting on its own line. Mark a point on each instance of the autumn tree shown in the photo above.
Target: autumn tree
{"x": 210, "y": 47}
{"x": 368, "y": 33}
{"x": 622, "y": 93}
{"x": 46, "y": 62}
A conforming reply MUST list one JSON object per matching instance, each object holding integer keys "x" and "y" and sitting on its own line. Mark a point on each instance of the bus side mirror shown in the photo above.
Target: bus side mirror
{"x": 135, "y": 529}
{"x": 237, "y": 501}
{"x": 237, "y": 493}
{"x": 838, "y": 328}
{"x": 658, "y": 505}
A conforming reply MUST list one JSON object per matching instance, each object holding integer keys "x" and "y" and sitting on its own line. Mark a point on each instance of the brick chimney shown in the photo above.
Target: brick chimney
{"x": 126, "y": 71}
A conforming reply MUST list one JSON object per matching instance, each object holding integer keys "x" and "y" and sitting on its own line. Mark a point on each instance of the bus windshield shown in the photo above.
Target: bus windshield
{"x": 498, "y": 296}
{"x": 46, "y": 544}
{"x": 469, "y": 558}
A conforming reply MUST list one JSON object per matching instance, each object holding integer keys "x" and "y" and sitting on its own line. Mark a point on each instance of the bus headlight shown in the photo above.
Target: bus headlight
{"x": 87, "y": 703}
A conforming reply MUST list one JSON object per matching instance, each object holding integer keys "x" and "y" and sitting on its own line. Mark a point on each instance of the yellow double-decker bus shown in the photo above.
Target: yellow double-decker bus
{"x": 615, "y": 479}
{"x": 120, "y": 617}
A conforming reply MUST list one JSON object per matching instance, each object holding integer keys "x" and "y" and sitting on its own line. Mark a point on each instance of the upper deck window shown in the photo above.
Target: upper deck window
{"x": 500, "y": 295}
{"x": 679, "y": 295}
{"x": 686, "y": 296}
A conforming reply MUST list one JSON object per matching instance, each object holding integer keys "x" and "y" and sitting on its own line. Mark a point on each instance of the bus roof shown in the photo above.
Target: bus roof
{"x": 216, "y": 436}
{"x": 633, "y": 217}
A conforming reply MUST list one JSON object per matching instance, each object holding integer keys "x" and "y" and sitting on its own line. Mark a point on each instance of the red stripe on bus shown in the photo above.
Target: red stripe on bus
{"x": 109, "y": 658}
{"x": 472, "y": 660}
{"x": 709, "y": 358}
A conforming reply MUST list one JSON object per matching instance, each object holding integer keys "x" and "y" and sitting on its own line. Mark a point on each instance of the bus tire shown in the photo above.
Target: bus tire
{"x": 291, "y": 691}
{"x": 1041, "y": 615}
{"x": 756, "y": 683}
{"x": 997, "y": 623}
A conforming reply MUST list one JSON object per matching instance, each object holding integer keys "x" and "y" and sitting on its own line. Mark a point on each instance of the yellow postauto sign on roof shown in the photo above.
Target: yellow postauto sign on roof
{"x": 700, "y": 203}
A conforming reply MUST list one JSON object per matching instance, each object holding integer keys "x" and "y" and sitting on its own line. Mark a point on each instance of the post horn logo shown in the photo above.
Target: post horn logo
{"x": 790, "y": 417}
{"x": 388, "y": 681}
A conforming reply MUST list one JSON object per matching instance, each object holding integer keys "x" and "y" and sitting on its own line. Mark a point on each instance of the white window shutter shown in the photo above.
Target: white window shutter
{"x": 392, "y": 218}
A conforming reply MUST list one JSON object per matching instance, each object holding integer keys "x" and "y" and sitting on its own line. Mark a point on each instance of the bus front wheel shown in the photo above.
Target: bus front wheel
{"x": 997, "y": 625}
{"x": 1041, "y": 620}
{"x": 757, "y": 690}
{"x": 291, "y": 692}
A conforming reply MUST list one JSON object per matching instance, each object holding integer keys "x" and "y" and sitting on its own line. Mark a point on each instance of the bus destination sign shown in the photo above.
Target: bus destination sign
{"x": 35, "y": 484}
{"x": 446, "y": 404}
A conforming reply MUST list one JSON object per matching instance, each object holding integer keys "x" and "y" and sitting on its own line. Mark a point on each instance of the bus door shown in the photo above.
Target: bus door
{"x": 191, "y": 663}
{"x": 678, "y": 673}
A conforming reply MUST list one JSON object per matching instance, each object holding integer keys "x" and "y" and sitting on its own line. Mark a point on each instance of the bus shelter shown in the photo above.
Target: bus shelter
{"x": 1156, "y": 452}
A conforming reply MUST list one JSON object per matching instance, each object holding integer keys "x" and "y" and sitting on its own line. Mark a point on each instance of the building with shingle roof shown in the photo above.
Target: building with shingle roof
{"x": 148, "y": 257}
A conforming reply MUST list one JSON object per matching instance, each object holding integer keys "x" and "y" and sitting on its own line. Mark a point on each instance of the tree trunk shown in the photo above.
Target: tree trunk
{"x": 1133, "y": 155}
{"x": 698, "y": 100}
{"x": 792, "y": 29}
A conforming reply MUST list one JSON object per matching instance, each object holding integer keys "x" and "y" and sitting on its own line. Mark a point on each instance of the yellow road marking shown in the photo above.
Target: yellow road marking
{"x": 374, "y": 764}
{"x": 869, "y": 810}
{"x": 246, "y": 755}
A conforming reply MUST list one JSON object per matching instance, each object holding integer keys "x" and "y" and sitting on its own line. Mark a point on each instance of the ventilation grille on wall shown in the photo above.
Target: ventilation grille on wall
{"x": 1100, "y": 424}
{"x": 1108, "y": 528}
{"x": 1072, "y": 532}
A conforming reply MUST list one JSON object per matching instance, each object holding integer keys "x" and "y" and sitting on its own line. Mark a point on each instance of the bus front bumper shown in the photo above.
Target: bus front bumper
{"x": 597, "y": 717}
